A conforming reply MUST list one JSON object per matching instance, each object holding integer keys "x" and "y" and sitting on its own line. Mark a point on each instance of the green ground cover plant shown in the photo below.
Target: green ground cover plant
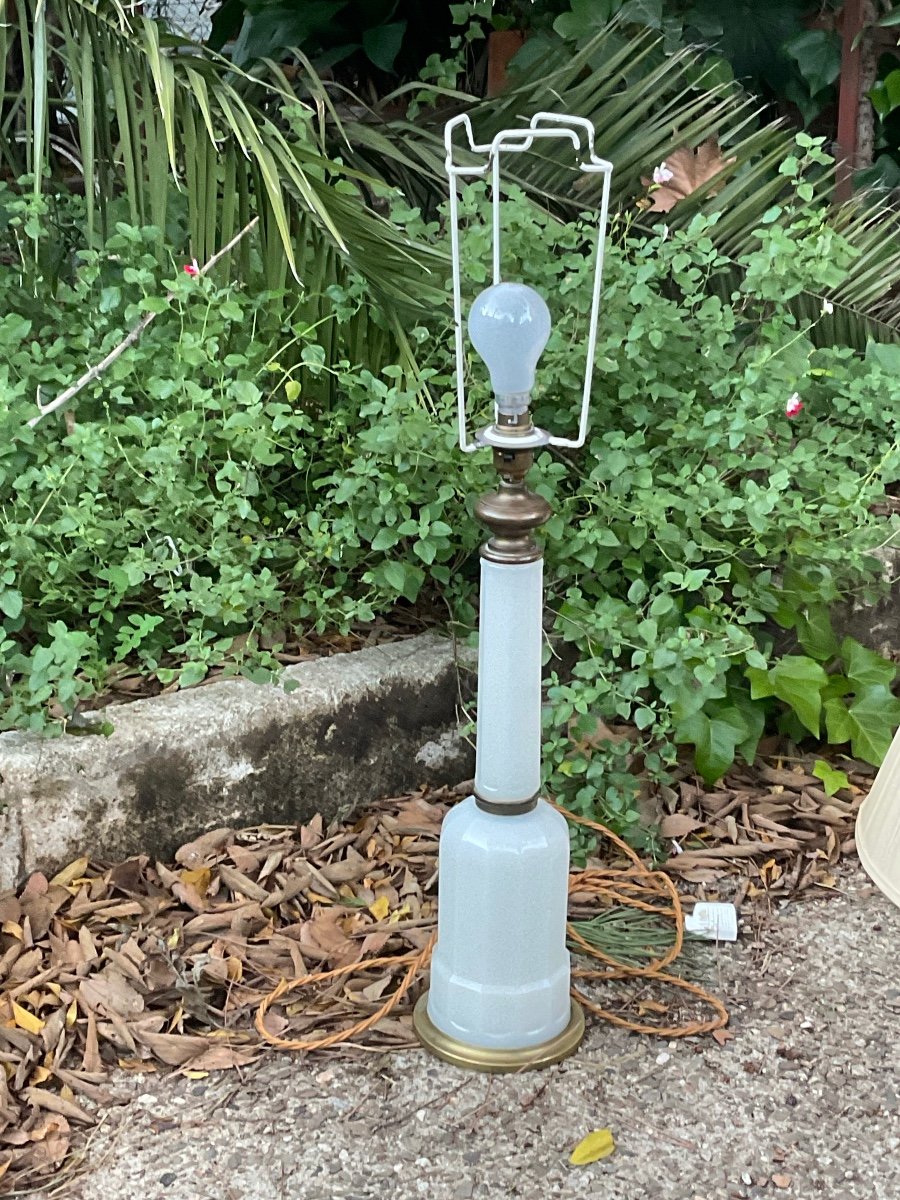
{"x": 211, "y": 494}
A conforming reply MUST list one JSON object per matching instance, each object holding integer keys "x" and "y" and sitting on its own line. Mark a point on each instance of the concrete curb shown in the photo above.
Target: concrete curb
{"x": 358, "y": 726}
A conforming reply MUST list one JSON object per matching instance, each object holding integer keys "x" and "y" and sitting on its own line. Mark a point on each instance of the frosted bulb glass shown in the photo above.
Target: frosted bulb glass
{"x": 509, "y": 325}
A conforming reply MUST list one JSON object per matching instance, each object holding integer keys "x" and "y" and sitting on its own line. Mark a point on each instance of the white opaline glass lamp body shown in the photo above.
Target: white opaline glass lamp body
{"x": 500, "y": 971}
{"x": 509, "y": 325}
{"x": 508, "y": 745}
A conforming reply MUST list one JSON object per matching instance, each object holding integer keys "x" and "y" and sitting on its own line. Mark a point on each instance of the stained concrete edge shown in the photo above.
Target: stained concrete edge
{"x": 356, "y": 726}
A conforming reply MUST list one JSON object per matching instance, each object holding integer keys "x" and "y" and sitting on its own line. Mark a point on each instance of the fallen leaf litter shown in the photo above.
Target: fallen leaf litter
{"x": 198, "y": 966}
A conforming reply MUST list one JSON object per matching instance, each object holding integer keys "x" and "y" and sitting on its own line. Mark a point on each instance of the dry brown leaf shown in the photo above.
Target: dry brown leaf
{"x": 91, "y": 1060}
{"x": 59, "y": 1104}
{"x": 221, "y": 1058}
{"x": 690, "y": 170}
{"x": 110, "y": 994}
{"x": 175, "y": 1049}
{"x": 203, "y": 850}
{"x": 188, "y": 895}
{"x": 420, "y": 814}
{"x": 678, "y": 825}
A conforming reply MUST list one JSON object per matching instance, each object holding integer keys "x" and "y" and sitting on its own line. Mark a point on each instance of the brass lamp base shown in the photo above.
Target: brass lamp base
{"x": 482, "y": 1058}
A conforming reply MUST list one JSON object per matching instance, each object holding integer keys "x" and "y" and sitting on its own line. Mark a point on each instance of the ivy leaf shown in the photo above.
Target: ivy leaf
{"x": 838, "y": 725}
{"x": 754, "y": 718}
{"x": 598, "y": 1144}
{"x": 815, "y": 633}
{"x": 864, "y": 667}
{"x": 760, "y": 684}
{"x": 799, "y": 681}
{"x": 714, "y": 739}
{"x": 833, "y": 779}
{"x": 874, "y": 716}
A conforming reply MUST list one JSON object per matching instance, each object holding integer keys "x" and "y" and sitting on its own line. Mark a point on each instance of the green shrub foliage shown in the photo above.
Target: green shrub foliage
{"x": 237, "y": 475}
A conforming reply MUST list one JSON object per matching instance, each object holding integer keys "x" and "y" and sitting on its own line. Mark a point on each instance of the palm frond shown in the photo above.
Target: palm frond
{"x": 142, "y": 109}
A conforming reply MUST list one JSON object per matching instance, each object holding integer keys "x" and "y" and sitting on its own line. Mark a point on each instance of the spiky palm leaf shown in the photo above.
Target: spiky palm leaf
{"x": 141, "y": 108}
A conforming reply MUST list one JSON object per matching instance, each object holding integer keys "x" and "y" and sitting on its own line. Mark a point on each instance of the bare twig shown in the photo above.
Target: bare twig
{"x": 97, "y": 370}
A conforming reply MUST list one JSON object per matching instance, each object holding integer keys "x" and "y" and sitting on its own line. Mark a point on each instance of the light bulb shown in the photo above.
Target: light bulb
{"x": 509, "y": 325}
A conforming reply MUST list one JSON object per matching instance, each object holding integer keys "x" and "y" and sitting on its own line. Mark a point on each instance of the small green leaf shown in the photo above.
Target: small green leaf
{"x": 191, "y": 673}
{"x": 833, "y": 779}
{"x": 11, "y": 603}
{"x": 661, "y": 605}
{"x": 384, "y": 539}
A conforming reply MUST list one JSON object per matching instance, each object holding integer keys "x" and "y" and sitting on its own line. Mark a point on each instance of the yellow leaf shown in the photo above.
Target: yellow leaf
{"x": 39, "y": 1075}
{"x": 13, "y": 930}
{"x": 398, "y": 913}
{"x": 380, "y": 908}
{"x": 71, "y": 1014}
{"x": 235, "y": 969}
{"x": 172, "y": 939}
{"x": 598, "y": 1144}
{"x": 70, "y": 873}
{"x": 200, "y": 878}
{"x": 67, "y": 1094}
{"x": 196, "y": 1074}
{"x": 26, "y": 1020}
{"x": 320, "y": 899}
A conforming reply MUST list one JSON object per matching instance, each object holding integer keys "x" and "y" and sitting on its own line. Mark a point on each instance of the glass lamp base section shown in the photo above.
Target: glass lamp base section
{"x": 483, "y": 1058}
{"x": 500, "y": 969}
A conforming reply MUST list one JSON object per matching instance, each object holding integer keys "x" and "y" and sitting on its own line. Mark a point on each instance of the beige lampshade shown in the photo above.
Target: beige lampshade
{"x": 878, "y": 826}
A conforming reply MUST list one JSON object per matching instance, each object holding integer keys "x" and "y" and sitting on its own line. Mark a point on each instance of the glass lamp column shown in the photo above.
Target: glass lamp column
{"x": 499, "y": 996}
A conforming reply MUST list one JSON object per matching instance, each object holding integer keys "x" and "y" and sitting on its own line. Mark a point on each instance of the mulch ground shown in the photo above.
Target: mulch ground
{"x": 147, "y": 966}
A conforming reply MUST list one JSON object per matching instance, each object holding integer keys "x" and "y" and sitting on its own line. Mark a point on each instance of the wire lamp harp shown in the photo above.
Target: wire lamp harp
{"x": 580, "y": 133}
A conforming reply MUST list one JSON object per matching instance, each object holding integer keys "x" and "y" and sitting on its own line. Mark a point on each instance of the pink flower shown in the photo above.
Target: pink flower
{"x": 191, "y": 268}
{"x": 662, "y": 174}
{"x": 794, "y": 406}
